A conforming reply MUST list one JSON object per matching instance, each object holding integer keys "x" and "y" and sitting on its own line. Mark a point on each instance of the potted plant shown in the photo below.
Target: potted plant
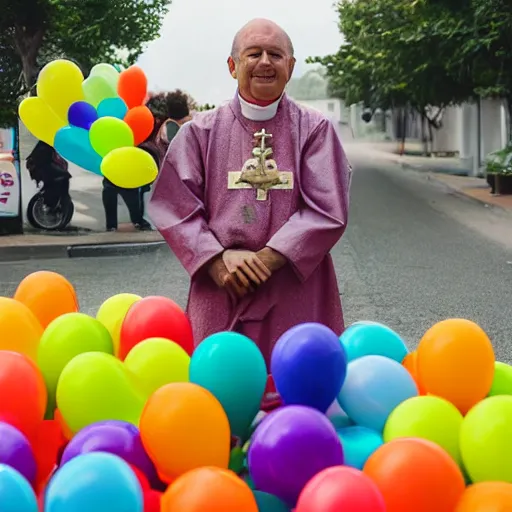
{"x": 498, "y": 170}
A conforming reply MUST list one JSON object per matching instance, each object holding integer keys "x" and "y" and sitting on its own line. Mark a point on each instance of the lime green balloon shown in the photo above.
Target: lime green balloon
{"x": 427, "y": 417}
{"x": 486, "y": 440}
{"x": 109, "y": 133}
{"x": 97, "y": 387}
{"x": 98, "y": 88}
{"x": 65, "y": 338}
{"x": 502, "y": 382}
{"x": 157, "y": 362}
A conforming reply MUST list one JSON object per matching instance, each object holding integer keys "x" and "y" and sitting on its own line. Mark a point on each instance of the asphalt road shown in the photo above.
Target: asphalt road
{"x": 413, "y": 254}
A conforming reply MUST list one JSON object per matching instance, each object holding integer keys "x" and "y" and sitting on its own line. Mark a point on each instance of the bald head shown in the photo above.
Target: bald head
{"x": 260, "y": 26}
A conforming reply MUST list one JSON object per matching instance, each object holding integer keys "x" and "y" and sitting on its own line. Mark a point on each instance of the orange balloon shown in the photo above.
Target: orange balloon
{"x": 456, "y": 362}
{"x": 486, "y": 497}
{"x": 141, "y": 121}
{"x": 132, "y": 86}
{"x": 48, "y": 295}
{"x": 184, "y": 427}
{"x": 415, "y": 474}
{"x": 20, "y": 330}
{"x": 209, "y": 489}
{"x": 410, "y": 363}
{"x": 23, "y": 394}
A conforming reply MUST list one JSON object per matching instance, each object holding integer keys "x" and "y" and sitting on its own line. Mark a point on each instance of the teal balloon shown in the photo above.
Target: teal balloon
{"x": 232, "y": 368}
{"x": 269, "y": 503}
{"x": 358, "y": 444}
{"x": 373, "y": 339}
{"x": 338, "y": 416}
{"x": 73, "y": 144}
{"x": 112, "y": 107}
{"x": 16, "y": 494}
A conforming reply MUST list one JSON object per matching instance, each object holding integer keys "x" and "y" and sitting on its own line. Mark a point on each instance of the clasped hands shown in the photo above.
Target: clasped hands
{"x": 240, "y": 272}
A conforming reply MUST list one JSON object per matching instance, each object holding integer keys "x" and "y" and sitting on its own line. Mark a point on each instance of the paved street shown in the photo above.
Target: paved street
{"x": 413, "y": 254}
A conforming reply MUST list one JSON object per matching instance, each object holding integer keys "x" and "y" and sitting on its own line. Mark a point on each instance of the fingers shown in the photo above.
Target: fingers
{"x": 262, "y": 267}
{"x": 259, "y": 268}
{"x": 232, "y": 284}
{"x": 242, "y": 277}
{"x": 249, "y": 272}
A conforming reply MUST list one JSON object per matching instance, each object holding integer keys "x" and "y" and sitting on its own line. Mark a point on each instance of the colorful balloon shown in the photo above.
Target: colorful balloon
{"x": 59, "y": 85}
{"x": 117, "y": 437}
{"x": 109, "y": 133}
{"x": 269, "y": 503}
{"x": 502, "y": 380}
{"x": 373, "y": 339}
{"x": 112, "y": 313}
{"x": 96, "y": 387}
{"x": 358, "y": 444}
{"x": 155, "y": 317}
{"x": 456, "y": 362}
{"x": 338, "y": 416}
{"x": 486, "y": 497}
{"x": 340, "y": 488}
{"x": 112, "y": 107}
{"x": 427, "y": 417}
{"x": 374, "y": 386}
{"x": 415, "y": 474}
{"x": 96, "y": 89}
{"x": 95, "y": 481}
{"x": 108, "y": 72}
{"x": 309, "y": 366}
{"x": 16, "y": 494}
{"x": 16, "y": 452}
{"x": 73, "y": 144}
{"x": 82, "y": 114}
{"x": 209, "y": 488}
{"x": 141, "y": 121}
{"x": 410, "y": 363}
{"x": 20, "y": 329}
{"x": 240, "y": 386}
{"x": 183, "y": 427}
{"x": 48, "y": 295}
{"x": 289, "y": 447}
{"x": 41, "y": 121}
{"x": 157, "y": 362}
{"x": 133, "y": 86}
{"x": 129, "y": 167}
{"x": 485, "y": 442}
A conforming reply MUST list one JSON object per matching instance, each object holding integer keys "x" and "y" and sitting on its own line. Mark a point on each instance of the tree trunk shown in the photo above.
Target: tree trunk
{"x": 509, "y": 112}
{"x": 28, "y": 46}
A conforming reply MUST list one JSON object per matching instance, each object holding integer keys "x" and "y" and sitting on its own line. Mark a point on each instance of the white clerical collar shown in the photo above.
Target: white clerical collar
{"x": 257, "y": 113}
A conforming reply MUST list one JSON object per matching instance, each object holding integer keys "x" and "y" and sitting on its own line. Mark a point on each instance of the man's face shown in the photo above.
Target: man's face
{"x": 264, "y": 64}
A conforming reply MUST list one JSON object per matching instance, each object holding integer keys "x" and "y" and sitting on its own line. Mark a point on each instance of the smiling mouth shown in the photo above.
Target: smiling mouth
{"x": 264, "y": 78}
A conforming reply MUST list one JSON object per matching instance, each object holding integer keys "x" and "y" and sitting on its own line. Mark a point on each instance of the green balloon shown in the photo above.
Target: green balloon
{"x": 65, "y": 338}
{"x": 98, "y": 88}
{"x": 109, "y": 133}
{"x": 502, "y": 382}
{"x": 427, "y": 417}
{"x": 269, "y": 503}
{"x": 486, "y": 441}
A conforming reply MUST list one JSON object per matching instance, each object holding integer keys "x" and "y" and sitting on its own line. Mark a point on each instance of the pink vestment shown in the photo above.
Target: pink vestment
{"x": 200, "y": 217}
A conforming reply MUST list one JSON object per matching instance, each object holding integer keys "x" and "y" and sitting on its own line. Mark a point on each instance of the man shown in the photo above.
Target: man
{"x": 252, "y": 197}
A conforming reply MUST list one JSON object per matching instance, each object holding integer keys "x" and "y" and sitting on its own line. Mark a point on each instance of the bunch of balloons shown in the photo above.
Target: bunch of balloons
{"x": 96, "y": 123}
{"x": 119, "y": 412}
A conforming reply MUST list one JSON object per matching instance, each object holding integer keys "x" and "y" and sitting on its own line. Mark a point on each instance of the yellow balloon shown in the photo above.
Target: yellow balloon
{"x": 129, "y": 167}
{"x": 41, "y": 121}
{"x": 96, "y": 89}
{"x": 59, "y": 85}
{"x": 110, "y": 133}
{"x": 157, "y": 362}
{"x": 112, "y": 312}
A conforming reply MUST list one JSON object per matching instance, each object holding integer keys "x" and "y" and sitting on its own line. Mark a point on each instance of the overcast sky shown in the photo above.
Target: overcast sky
{"x": 196, "y": 39}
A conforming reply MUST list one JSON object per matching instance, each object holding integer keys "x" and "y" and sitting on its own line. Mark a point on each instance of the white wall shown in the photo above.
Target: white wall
{"x": 333, "y": 109}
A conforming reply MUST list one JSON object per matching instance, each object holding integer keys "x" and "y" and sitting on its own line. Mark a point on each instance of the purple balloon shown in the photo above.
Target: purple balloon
{"x": 117, "y": 437}
{"x": 16, "y": 452}
{"x": 82, "y": 114}
{"x": 289, "y": 447}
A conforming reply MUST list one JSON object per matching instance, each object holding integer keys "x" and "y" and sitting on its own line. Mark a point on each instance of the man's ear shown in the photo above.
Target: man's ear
{"x": 291, "y": 66}
{"x": 232, "y": 67}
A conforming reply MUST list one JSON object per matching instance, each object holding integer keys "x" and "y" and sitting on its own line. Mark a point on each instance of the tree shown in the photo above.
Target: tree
{"x": 312, "y": 85}
{"x": 34, "y": 32}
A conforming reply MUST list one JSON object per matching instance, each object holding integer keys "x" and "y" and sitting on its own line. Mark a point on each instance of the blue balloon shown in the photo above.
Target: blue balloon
{"x": 82, "y": 114}
{"x": 73, "y": 144}
{"x": 339, "y": 418}
{"x": 233, "y": 369}
{"x": 269, "y": 503}
{"x": 112, "y": 107}
{"x": 374, "y": 386}
{"x": 373, "y": 339}
{"x": 358, "y": 444}
{"x": 94, "y": 482}
{"x": 16, "y": 494}
{"x": 309, "y": 366}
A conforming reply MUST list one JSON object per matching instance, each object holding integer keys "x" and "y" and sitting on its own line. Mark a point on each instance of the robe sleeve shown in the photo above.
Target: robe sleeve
{"x": 324, "y": 183}
{"x": 177, "y": 207}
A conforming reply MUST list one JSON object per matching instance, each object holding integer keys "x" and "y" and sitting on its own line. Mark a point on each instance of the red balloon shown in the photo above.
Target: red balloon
{"x": 132, "y": 86}
{"x": 155, "y": 317}
{"x": 141, "y": 121}
{"x": 141, "y": 477}
{"x": 340, "y": 488}
{"x": 152, "y": 501}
